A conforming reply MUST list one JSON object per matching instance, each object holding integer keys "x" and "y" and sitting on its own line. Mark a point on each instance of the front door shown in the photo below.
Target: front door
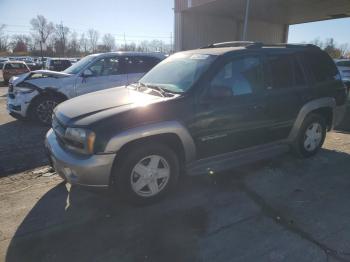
{"x": 231, "y": 113}
{"x": 104, "y": 73}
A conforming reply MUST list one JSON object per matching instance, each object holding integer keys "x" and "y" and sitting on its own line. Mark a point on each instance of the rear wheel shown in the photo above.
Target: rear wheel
{"x": 146, "y": 173}
{"x": 311, "y": 136}
{"x": 42, "y": 109}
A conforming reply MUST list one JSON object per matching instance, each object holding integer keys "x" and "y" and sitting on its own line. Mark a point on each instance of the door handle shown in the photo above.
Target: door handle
{"x": 258, "y": 107}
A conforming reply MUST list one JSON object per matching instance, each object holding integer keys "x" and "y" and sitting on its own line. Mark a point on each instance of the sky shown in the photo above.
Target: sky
{"x": 138, "y": 19}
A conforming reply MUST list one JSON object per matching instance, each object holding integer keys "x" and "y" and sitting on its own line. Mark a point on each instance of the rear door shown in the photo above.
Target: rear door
{"x": 286, "y": 87}
{"x": 104, "y": 73}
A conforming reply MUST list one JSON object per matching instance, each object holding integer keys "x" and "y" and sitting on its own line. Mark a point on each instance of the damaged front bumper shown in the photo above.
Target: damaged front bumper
{"x": 18, "y": 103}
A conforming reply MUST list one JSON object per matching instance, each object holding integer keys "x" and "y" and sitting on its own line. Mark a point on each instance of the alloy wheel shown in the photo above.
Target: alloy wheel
{"x": 150, "y": 176}
{"x": 313, "y": 137}
{"x": 45, "y": 109}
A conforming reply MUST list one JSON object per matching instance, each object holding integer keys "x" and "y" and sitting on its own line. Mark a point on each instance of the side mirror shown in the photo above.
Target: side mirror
{"x": 218, "y": 91}
{"x": 87, "y": 73}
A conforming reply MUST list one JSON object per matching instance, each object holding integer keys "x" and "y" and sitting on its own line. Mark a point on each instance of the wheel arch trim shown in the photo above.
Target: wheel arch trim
{"x": 326, "y": 102}
{"x": 167, "y": 127}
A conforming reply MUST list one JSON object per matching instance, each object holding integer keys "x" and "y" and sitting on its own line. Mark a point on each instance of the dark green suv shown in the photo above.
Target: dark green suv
{"x": 196, "y": 112}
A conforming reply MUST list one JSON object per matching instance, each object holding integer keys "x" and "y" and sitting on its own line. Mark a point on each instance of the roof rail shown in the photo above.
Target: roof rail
{"x": 249, "y": 44}
{"x": 291, "y": 45}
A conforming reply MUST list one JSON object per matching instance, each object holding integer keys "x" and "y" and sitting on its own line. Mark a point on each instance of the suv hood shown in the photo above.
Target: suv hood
{"x": 86, "y": 109}
{"x": 15, "y": 80}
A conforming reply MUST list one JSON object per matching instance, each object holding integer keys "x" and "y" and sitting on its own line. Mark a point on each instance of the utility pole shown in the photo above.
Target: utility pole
{"x": 171, "y": 43}
{"x": 63, "y": 39}
{"x": 246, "y": 18}
{"x": 124, "y": 42}
{"x": 41, "y": 53}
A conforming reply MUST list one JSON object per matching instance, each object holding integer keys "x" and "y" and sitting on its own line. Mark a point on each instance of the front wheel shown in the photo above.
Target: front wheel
{"x": 42, "y": 109}
{"x": 146, "y": 173}
{"x": 311, "y": 136}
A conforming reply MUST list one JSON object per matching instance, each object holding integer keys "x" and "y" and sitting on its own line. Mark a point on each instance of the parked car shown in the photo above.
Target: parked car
{"x": 196, "y": 112}
{"x": 57, "y": 64}
{"x": 2, "y": 61}
{"x": 35, "y": 94}
{"x": 13, "y": 68}
{"x": 344, "y": 69}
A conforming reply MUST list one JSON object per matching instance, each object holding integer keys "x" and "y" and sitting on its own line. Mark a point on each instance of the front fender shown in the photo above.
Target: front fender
{"x": 168, "y": 127}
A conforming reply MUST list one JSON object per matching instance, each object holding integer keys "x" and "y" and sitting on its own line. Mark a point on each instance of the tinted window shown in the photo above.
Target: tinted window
{"x": 343, "y": 63}
{"x": 13, "y": 66}
{"x": 320, "y": 66}
{"x": 140, "y": 64}
{"x": 299, "y": 76}
{"x": 243, "y": 76}
{"x": 281, "y": 71}
{"x": 107, "y": 66}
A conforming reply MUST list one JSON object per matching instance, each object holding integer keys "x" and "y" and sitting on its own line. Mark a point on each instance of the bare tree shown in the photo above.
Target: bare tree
{"x": 20, "y": 43}
{"x": 344, "y": 50}
{"x": 108, "y": 42}
{"x": 73, "y": 46}
{"x": 93, "y": 37}
{"x": 4, "y": 40}
{"x": 83, "y": 42}
{"x": 61, "y": 33}
{"x": 42, "y": 28}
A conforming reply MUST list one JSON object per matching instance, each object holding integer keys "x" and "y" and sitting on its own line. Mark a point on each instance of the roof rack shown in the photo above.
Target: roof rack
{"x": 246, "y": 44}
{"x": 249, "y": 44}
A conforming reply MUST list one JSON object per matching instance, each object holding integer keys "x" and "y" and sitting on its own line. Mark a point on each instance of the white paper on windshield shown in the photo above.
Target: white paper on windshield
{"x": 199, "y": 57}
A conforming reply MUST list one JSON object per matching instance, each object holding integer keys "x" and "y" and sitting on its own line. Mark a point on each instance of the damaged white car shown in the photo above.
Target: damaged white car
{"x": 35, "y": 94}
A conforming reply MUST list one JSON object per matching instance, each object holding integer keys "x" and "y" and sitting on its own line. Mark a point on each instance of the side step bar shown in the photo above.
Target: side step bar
{"x": 234, "y": 159}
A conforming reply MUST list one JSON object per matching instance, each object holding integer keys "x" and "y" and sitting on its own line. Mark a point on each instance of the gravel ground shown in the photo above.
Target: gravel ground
{"x": 286, "y": 209}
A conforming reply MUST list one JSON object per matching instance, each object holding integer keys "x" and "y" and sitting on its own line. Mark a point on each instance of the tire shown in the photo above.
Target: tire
{"x": 158, "y": 168}
{"x": 42, "y": 109}
{"x": 311, "y": 136}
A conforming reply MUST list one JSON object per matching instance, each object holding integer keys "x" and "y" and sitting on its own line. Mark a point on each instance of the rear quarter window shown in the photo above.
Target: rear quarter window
{"x": 320, "y": 66}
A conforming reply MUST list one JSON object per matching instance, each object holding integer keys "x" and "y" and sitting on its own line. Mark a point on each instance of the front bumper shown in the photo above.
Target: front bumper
{"x": 92, "y": 171}
{"x": 18, "y": 104}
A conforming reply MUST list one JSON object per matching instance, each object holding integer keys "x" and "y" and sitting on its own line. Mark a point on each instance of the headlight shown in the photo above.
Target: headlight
{"x": 23, "y": 90}
{"x": 81, "y": 140}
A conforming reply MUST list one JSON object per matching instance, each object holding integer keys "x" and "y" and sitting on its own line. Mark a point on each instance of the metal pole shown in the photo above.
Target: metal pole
{"x": 246, "y": 18}
{"x": 41, "y": 53}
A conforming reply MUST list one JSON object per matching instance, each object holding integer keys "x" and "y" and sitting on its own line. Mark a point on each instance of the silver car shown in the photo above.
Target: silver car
{"x": 34, "y": 95}
{"x": 344, "y": 69}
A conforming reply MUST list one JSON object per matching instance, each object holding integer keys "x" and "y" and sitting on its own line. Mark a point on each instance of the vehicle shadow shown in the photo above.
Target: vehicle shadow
{"x": 74, "y": 224}
{"x": 22, "y": 147}
{"x": 80, "y": 225}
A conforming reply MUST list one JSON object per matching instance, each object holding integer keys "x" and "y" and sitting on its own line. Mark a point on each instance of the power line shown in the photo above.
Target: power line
{"x": 165, "y": 36}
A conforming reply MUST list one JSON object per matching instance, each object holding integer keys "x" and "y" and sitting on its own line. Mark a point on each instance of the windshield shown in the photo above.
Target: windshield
{"x": 178, "y": 72}
{"x": 78, "y": 66}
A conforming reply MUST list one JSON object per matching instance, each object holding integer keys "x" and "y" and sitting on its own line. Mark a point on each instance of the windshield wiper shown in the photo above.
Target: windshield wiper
{"x": 160, "y": 90}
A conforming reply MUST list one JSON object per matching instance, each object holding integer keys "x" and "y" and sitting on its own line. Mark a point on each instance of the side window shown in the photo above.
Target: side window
{"x": 106, "y": 66}
{"x": 150, "y": 62}
{"x": 281, "y": 67}
{"x": 299, "y": 75}
{"x": 242, "y": 76}
{"x": 321, "y": 66}
{"x": 8, "y": 66}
